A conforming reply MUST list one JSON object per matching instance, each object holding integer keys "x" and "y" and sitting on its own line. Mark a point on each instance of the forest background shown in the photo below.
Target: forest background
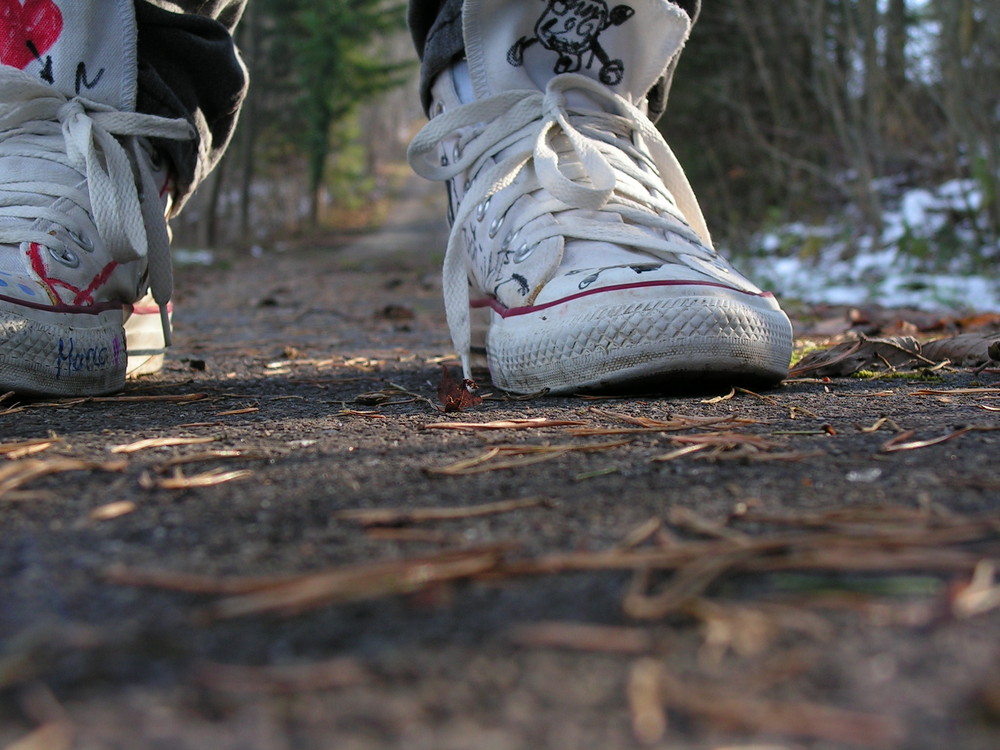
{"x": 802, "y": 124}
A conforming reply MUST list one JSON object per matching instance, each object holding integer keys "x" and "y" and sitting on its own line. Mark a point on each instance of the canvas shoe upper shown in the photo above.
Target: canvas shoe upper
{"x": 83, "y": 198}
{"x": 573, "y": 225}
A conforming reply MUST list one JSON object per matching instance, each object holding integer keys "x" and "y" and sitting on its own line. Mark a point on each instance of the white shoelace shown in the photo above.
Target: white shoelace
{"x": 39, "y": 122}
{"x": 583, "y": 158}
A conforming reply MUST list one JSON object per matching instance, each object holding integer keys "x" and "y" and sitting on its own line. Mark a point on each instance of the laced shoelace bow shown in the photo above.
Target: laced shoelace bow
{"x": 582, "y": 158}
{"x": 81, "y": 134}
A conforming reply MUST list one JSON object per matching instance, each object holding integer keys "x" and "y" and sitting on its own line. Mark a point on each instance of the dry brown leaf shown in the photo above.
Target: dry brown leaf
{"x": 865, "y": 354}
{"x": 394, "y": 517}
{"x": 963, "y": 350}
{"x": 165, "y": 442}
{"x": 503, "y": 424}
{"x": 455, "y": 396}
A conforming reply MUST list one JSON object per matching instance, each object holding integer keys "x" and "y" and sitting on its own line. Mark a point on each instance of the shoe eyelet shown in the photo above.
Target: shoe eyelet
{"x": 496, "y": 224}
{"x": 438, "y": 109}
{"x": 511, "y": 236}
{"x": 444, "y": 160}
{"x": 467, "y": 185}
{"x": 524, "y": 252}
{"x": 156, "y": 159}
{"x": 65, "y": 256}
{"x": 456, "y": 153}
{"x": 84, "y": 242}
{"x": 482, "y": 208}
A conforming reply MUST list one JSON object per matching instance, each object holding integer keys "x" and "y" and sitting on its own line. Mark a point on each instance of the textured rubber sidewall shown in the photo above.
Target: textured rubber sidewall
{"x": 62, "y": 353}
{"x": 607, "y": 345}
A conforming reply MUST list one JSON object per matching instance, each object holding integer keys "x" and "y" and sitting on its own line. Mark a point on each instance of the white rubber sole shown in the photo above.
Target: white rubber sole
{"x": 689, "y": 337}
{"x": 144, "y": 334}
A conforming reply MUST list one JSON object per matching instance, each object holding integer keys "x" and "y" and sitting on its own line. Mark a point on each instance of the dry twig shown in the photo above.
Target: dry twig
{"x": 19, "y": 473}
{"x": 574, "y": 636}
{"x": 165, "y": 442}
{"x": 503, "y": 424}
{"x": 393, "y": 517}
{"x": 178, "y": 481}
{"x": 283, "y": 679}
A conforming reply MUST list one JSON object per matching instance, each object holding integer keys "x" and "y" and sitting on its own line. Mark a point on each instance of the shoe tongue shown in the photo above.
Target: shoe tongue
{"x": 523, "y": 44}
{"x": 85, "y": 49}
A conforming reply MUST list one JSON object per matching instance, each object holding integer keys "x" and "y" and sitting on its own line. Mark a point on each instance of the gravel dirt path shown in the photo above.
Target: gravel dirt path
{"x": 787, "y": 569}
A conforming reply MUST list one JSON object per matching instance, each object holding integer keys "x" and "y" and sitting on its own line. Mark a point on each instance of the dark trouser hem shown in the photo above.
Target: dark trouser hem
{"x": 189, "y": 67}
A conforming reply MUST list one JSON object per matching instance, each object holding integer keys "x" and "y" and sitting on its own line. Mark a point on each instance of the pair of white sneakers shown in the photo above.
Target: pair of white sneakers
{"x": 576, "y": 239}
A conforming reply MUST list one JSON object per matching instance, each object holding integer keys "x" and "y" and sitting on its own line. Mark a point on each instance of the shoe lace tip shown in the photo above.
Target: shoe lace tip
{"x": 165, "y": 323}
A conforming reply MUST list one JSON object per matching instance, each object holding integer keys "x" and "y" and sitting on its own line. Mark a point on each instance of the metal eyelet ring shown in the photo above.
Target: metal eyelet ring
{"x": 496, "y": 224}
{"x": 65, "y": 256}
{"x": 511, "y": 236}
{"x": 444, "y": 160}
{"x": 456, "y": 153}
{"x": 482, "y": 208}
{"x": 524, "y": 252}
{"x": 84, "y": 242}
{"x": 156, "y": 159}
{"x": 467, "y": 185}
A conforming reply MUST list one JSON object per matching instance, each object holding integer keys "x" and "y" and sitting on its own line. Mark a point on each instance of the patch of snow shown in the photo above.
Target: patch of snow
{"x": 884, "y": 268}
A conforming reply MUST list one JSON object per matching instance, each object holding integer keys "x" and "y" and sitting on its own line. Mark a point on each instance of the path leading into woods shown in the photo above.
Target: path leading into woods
{"x": 308, "y": 557}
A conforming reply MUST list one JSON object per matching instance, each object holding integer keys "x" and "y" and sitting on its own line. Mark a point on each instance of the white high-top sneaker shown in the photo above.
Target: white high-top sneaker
{"x": 83, "y": 198}
{"x": 574, "y": 227}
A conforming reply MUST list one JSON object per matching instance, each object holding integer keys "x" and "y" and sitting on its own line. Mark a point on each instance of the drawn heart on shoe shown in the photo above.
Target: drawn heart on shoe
{"x": 38, "y": 22}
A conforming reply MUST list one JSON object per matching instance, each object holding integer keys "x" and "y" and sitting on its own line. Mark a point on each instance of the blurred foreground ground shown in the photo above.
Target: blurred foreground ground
{"x": 785, "y": 569}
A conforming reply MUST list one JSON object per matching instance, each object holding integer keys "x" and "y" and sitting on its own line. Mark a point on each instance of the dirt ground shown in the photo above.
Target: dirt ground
{"x": 789, "y": 569}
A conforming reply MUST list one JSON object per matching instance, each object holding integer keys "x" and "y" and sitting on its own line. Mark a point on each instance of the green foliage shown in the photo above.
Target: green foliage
{"x": 330, "y": 50}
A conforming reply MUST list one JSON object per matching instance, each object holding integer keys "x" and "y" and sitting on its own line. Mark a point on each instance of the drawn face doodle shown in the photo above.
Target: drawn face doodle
{"x": 571, "y": 26}
{"x": 571, "y": 29}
